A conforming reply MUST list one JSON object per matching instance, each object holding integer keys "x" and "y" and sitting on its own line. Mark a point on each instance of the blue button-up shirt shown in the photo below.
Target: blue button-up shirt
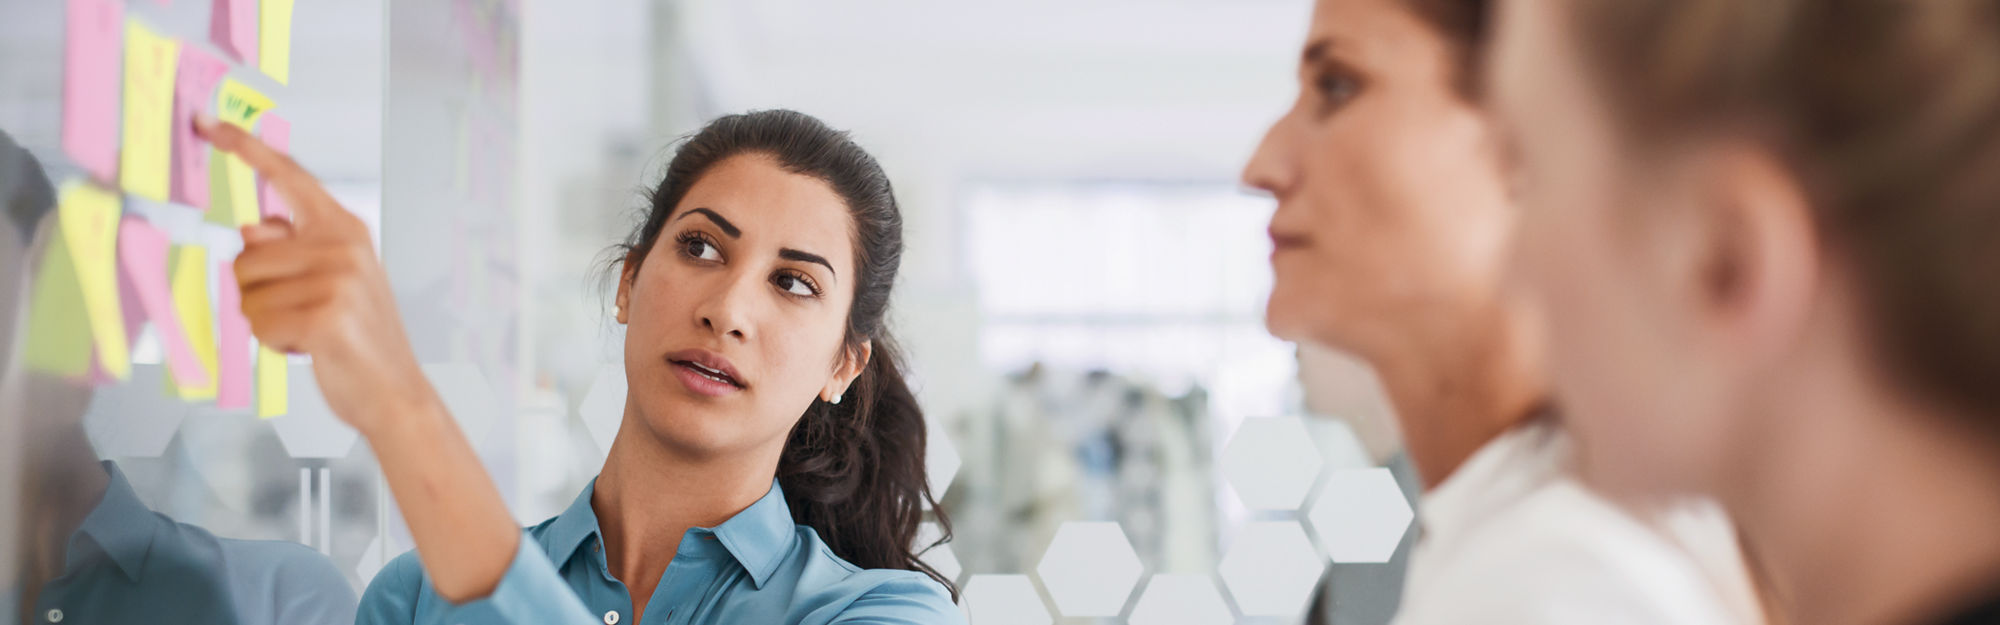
{"x": 128, "y": 564}
{"x": 757, "y": 567}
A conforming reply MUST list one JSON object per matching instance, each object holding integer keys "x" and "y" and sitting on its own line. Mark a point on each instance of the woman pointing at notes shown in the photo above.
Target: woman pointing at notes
{"x": 770, "y": 464}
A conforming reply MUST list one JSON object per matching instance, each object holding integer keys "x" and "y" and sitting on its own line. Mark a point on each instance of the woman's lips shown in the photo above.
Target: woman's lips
{"x": 705, "y": 372}
{"x": 1281, "y": 241}
{"x": 701, "y": 382}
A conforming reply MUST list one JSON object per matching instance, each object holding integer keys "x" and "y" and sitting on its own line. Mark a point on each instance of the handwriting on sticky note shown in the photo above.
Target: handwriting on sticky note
{"x": 194, "y": 90}
{"x": 233, "y": 364}
{"x": 150, "y": 61}
{"x": 274, "y": 52}
{"x": 188, "y": 275}
{"x": 276, "y": 133}
{"x": 232, "y": 25}
{"x": 90, "y": 85}
{"x": 272, "y": 397}
{"x": 142, "y": 259}
{"x": 234, "y": 200}
{"x": 90, "y": 228}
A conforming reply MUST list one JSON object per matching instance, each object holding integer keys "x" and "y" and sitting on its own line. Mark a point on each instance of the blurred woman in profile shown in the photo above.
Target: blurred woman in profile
{"x": 1389, "y": 239}
{"x": 1767, "y": 237}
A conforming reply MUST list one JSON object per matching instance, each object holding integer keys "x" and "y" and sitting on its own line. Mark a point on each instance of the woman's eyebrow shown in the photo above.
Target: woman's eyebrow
{"x": 806, "y": 257}
{"x": 727, "y": 228}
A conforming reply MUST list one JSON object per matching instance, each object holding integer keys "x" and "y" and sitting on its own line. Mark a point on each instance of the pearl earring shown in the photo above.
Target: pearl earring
{"x": 836, "y": 399}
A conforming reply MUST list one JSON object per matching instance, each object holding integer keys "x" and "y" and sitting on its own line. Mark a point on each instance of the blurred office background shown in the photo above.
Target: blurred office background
{"x": 1081, "y": 298}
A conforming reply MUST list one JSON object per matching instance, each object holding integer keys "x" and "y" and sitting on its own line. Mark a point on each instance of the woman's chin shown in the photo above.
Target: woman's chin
{"x": 1283, "y": 318}
{"x": 1288, "y": 319}
{"x": 694, "y": 430}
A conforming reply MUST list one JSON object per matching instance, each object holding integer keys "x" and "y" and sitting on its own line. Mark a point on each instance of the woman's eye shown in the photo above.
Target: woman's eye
{"x": 1335, "y": 89}
{"x": 695, "y": 247}
{"x": 794, "y": 285}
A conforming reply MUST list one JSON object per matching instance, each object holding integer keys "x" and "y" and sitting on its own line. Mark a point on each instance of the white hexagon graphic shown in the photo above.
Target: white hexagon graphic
{"x": 371, "y": 561}
{"x": 1003, "y": 600}
{"x": 1271, "y": 462}
{"x": 308, "y": 429}
{"x": 134, "y": 418}
{"x": 940, "y": 557}
{"x": 1271, "y": 569}
{"x": 941, "y": 459}
{"x": 1180, "y": 600}
{"x": 1360, "y": 515}
{"x": 1089, "y": 569}
{"x": 603, "y": 407}
{"x": 467, "y": 395}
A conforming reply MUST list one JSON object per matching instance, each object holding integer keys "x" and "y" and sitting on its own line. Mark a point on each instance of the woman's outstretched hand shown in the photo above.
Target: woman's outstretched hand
{"x": 312, "y": 285}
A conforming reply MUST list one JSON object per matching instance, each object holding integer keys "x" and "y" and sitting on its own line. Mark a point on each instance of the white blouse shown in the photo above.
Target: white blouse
{"x": 1513, "y": 537}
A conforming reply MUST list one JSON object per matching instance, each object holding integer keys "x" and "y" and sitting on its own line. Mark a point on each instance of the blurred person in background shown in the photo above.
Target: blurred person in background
{"x": 1393, "y": 221}
{"x": 1766, "y": 235}
{"x": 83, "y": 547}
{"x": 770, "y": 464}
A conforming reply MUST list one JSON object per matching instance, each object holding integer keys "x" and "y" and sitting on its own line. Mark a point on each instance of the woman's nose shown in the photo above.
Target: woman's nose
{"x": 722, "y": 328}
{"x": 1270, "y": 167}
{"x": 727, "y": 313}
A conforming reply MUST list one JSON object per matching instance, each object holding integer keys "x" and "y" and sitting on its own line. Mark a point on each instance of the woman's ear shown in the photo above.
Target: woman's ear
{"x": 626, "y": 272}
{"x": 1759, "y": 263}
{"x": 852, "y": 363}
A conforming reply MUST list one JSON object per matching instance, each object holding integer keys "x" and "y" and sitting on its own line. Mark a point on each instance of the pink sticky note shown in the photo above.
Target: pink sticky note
{"x": 233, "y": 391}
{"x": 194, "y": 90}
{"x": 94, "y": 42}
{"x": 277, "y": 133}
{"x": 142, "y": 264}
{"x": 232, "y": 25}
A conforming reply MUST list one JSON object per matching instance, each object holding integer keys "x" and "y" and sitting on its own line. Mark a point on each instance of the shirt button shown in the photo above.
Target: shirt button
{"x": 55, "y": 616}
{"x": 611, "y": 618}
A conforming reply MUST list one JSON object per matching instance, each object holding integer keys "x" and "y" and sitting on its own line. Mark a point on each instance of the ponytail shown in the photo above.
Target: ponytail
{"x": 855, "y": 472}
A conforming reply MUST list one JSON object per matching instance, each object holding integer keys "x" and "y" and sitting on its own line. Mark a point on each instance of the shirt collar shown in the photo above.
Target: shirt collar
{"x": 1503, "y": 471}
{"x": 761, "y": 535}
{"x": 758, "y": 538}
{"x": 121, "y": 525}
{"x": 569, "y": 530}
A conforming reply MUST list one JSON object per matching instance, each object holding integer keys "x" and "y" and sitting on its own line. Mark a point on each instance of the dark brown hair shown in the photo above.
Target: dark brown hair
{"x": 1463, "y": 24}
{"x": 853, "y": 471}
{"x": 1889, "y": 113}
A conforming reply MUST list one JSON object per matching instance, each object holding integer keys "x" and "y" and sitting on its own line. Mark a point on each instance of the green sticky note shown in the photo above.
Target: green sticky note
{"x": 58, "y": 329}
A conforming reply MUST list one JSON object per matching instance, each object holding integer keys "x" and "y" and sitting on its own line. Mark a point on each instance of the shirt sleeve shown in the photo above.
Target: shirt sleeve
{"x": 904, "y": 600}
{"x": 531, "y": 593}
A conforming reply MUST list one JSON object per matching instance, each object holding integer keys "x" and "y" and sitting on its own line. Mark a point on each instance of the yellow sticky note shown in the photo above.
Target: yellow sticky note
{"x": 90, "y": 229}
{"x": 150, "y": 60}
{"x": 274, "y": 54}
{"x": 76, "y": 315}
{"x": 272, "y": 399}
{"x": 233, "y": 185}
{"x": 187, "y": 275}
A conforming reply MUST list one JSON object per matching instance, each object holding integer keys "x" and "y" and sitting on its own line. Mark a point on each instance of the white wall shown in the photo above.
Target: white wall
{"x": 944, "y": 93}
